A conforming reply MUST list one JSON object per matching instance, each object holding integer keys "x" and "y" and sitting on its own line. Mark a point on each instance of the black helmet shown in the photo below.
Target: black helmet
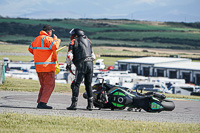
{"x": 77, "y": 32}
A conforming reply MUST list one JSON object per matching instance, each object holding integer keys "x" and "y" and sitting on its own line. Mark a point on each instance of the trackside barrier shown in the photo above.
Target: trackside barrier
{"x": 2, "y": 72}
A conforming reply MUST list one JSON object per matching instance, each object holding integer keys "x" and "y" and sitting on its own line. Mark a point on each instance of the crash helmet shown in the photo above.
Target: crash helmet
{"x": 78, "y": 32}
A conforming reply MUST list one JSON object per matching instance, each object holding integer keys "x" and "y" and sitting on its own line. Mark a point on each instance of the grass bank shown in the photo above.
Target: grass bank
{"x": 15, "y": 123}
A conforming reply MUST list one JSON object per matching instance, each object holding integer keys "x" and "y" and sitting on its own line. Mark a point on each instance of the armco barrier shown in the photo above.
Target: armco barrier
{"x": 2, "y": 72}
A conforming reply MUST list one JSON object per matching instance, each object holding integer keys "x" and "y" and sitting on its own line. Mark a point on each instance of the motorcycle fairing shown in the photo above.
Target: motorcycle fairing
{"x": 156, "y": 106}
{"x": 120, "y": 98}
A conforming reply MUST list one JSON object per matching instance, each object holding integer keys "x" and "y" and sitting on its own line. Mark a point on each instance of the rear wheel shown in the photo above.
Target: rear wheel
{"x": 168, "y": 105}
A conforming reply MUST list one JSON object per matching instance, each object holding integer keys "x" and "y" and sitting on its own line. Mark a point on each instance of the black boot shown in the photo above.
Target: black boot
{"x": 90, "y": 104}
{"x": 74, "y": 104}
{"x": 42, "y": 105}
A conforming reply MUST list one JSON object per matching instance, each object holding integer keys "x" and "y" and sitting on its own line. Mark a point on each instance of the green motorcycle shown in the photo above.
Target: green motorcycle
{"x": 116, "y": 97}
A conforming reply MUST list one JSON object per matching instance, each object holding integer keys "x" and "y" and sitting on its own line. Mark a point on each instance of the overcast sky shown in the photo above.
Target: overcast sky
{"x": 150, "y": 10}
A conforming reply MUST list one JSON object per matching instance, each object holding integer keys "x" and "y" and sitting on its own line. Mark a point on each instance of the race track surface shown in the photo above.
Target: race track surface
{"x": 186, "y": 111}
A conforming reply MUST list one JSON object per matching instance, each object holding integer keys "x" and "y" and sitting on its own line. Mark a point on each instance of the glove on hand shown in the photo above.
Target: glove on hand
{"x": 93, "y": 56}
{"x": 69, "y": 57}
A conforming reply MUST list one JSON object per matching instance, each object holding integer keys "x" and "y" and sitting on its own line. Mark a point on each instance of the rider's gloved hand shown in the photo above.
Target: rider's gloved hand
{"x": 69, "y": 57}
{"x": 68, "y": 61}
{"x": 93, "y": 56}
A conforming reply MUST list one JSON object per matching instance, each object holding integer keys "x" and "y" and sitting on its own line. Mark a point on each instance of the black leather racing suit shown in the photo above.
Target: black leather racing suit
{"x": 82, "y": 59}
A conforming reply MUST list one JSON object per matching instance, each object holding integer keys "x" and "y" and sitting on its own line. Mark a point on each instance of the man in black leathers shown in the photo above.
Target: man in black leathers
{"x": 80, "y": 52}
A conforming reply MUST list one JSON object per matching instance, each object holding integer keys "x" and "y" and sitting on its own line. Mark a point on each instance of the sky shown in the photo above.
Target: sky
{"x": 148, "y": 10}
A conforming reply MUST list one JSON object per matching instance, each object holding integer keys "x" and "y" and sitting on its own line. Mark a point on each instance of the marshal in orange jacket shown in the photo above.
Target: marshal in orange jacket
{"x": 44, "y": 50}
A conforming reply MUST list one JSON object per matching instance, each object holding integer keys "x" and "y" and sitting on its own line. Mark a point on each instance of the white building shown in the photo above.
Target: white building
{"x": 180, "y": 68}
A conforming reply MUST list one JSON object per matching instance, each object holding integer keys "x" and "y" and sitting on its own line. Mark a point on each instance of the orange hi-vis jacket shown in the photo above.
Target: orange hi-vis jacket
{"x": 44, "y": 50}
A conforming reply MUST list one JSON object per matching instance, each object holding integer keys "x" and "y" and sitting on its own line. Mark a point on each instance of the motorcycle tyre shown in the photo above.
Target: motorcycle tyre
{"x": 168, "y": 105}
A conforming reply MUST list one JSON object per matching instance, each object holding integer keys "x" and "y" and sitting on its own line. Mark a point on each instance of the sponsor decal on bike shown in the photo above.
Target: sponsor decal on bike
{"x": 155, "y": 106}
{"x": 117, "y": 105}
{"x": 119, "y": 93}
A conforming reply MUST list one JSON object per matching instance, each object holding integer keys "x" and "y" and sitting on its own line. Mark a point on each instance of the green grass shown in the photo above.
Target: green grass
{"x": 117, "y": 33}
{"x": 95, "y": 42}
{"x": 25, "y": 56}
{"x": 15, "y": 123}
{"x": 140, "y": 44}
{"x": 182, "y": 96}
{"x": 16, "y": 58}
{"x": 14, "y": 84}
{"x": 108, "y": 61}
{"x": 26, "y": 40}
{"x": 196, "y": 60}
{"x": 141, "y": 35}
{"x": 161, "y": 27}
{"x": 68, "y": 23}
{"x": 13, "y": 48}
{"x": 61, "y": 55}
{"x": 17, "y": 48}
{"x": 92, "y": 25}
{"x": 14, "y": 38}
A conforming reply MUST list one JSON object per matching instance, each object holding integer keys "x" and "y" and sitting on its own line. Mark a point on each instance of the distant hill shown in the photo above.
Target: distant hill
{"x": 107, "y": 32}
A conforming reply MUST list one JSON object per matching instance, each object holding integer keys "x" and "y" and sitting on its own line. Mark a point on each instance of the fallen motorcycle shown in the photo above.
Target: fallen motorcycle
{"x": 116, "y": 97}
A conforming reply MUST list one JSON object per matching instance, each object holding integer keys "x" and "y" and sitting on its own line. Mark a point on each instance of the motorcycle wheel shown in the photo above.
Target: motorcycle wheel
{"x": 168, "y": 105}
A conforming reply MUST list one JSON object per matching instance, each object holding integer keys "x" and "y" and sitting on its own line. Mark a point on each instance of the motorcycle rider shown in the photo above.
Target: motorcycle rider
{"x": 80, "y": 52}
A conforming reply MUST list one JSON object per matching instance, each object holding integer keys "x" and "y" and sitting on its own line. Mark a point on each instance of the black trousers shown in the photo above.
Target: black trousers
{"x": 84, "y": 70}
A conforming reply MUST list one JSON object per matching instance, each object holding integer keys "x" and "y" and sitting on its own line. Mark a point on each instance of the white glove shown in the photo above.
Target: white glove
{"x": 93, "y": 56}
{"x": 68, "y": 61}
{"x": 69, "y": 57}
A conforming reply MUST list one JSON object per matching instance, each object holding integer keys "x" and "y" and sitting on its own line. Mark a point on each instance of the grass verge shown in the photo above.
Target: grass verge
{"x": 14, "y": 84}
{"x": 12, "y": 122}
{"x": 20, "y": 53}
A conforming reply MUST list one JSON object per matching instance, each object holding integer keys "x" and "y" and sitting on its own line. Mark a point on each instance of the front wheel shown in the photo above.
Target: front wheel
{"x": 168, "y": 105}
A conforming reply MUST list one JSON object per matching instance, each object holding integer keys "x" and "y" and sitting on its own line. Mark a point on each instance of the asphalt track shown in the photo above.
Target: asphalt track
{"x": 186, "y": 111}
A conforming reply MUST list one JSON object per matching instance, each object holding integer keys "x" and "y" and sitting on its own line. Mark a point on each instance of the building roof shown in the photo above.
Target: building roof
{"x": 154, "y": 60}
{"x": 180, "y": 65}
